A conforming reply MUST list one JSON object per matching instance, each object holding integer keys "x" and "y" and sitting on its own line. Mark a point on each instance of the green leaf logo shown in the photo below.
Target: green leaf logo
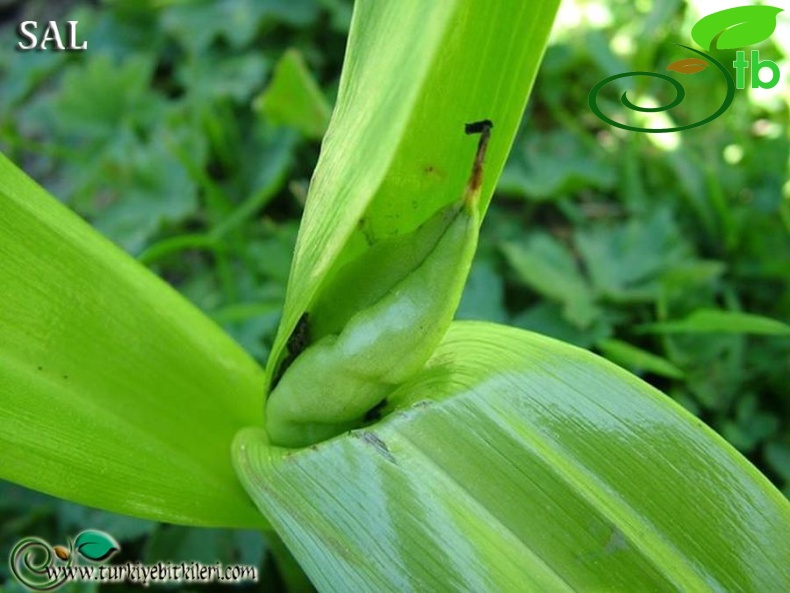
{"x": 95, "y": 545}
{"x": 736, "y": 27}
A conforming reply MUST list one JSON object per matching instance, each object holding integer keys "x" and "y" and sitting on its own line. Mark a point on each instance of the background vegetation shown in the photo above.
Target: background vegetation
{"x": 187, "y": 134}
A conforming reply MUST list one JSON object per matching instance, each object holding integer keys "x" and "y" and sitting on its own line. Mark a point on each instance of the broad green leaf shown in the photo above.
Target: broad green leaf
{"x": 548, "y": 267}
{"x": 197, "y": 23}
{"x": 517, "y": 463}
{"x": 395, "y": 151}
{"x": 116, "y": 392}
{"x": 625, "y": 261}
{"x": 95, "y": 545}
{"x": 735, "y": 27}
{"x": 294, "y": 98}
{"x": 23, "y": 72}
{"x": 156, "y": 190}
{"x": 638, "y": 359}
{"x": 216, "y": 76}
{"x": 717, "y": 321}
{"x": 122, "y": 87}
{"x": 750, "y": 426}
{"x": 550, "y": 166}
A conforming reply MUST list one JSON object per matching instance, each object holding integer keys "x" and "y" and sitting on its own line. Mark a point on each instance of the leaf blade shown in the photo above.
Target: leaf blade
{"x": 519, "y": 462}
{"x": 718, "y": 321}
{"x": 393, "y": 153}
{"x": 630, "y": 356}
{"x": 294, "y": 98}
{"x": 109, "y": 377}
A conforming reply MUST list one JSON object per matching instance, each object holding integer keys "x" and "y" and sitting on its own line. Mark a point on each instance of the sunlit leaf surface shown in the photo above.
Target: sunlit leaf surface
{"x": 115, "y": 392}
{"x": 518, "y": 463}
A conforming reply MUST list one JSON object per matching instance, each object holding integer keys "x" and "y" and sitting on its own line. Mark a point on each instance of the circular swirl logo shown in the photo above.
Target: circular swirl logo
{"x": 680, "y": 95}
{"x": 726, "y": 29}
{"x": 39, "y": 566}
{"x": 31, "y": 563}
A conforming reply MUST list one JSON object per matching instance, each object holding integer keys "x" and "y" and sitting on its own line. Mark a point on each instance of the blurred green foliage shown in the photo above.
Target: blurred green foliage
{"x": 188, "y": 131}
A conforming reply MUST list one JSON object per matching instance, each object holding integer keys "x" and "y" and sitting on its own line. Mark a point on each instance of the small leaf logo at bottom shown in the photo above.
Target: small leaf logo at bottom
{"x": 62, "y": 552}
{"x": 95, "y": 545}
{"x": 688, "y": 66}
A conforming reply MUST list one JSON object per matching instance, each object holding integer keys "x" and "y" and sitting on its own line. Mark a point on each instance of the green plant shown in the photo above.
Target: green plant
{"x": 510, "y": 461}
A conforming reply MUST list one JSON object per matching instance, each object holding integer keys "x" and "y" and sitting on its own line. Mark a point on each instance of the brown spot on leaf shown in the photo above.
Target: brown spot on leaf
{"x": 688, "y": 66}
